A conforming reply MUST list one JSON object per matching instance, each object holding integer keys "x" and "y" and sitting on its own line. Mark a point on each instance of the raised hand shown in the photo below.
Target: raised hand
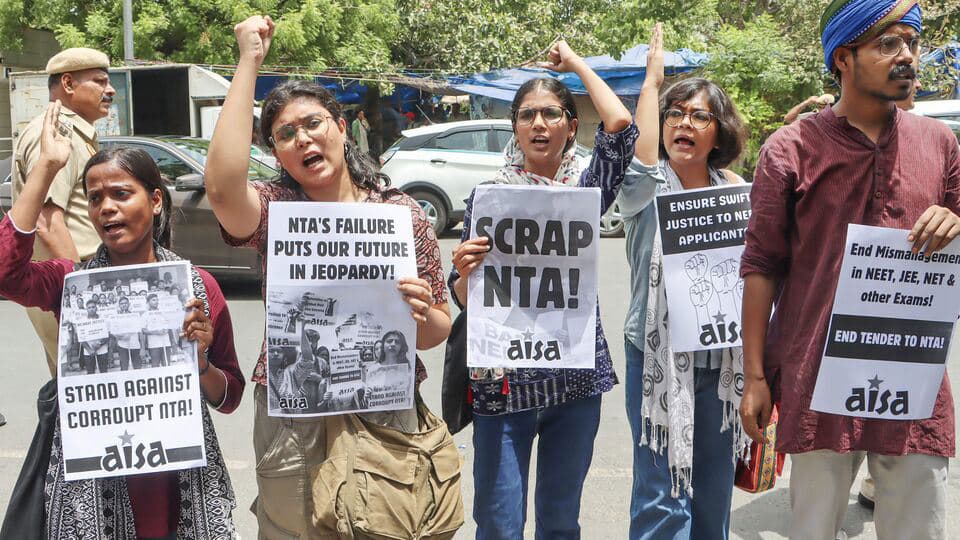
{"x": 561, "y": 58}
{"x": 254, "y": 36}
{"x": 55, "y": 141}
{"x": 654, "y": 74}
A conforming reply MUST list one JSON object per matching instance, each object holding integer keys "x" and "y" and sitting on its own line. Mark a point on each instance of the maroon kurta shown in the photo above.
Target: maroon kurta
{"x": 813, "y": 178}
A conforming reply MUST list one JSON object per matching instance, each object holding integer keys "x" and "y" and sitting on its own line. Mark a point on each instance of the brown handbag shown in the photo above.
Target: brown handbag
{"x": 765, "y": 464}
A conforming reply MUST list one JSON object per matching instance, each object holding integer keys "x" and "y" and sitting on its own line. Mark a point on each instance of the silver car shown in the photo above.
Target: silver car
{"x": 439, "y": 165}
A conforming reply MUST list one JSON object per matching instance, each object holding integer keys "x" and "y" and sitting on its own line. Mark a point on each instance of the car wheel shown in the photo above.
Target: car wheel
{"x": 611, "y": 223}
{"x": 434, "y": 209}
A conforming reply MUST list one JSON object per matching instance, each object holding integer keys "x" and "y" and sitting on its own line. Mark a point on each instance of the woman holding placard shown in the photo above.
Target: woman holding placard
{"x": 685, "y": 141}
{"x": 562, "y": 407}
{"x": 304, "y": 126}
{"x": 130, "y": 209}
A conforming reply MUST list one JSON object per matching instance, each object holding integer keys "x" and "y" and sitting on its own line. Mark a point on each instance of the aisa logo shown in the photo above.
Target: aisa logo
{"x": 128, "y": 456}
{"x": 528, "y": 349}
{"x": 720, "y": 331}
{"x": 877, "y": 400}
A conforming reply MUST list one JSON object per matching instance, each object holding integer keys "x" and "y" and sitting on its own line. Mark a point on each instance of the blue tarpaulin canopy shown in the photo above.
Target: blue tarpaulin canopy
{"x": 949, "y": 57}
{"x": 625, "y": 76}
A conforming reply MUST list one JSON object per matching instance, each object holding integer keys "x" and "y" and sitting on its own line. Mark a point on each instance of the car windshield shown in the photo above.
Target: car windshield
{"x": 197, "y": 149}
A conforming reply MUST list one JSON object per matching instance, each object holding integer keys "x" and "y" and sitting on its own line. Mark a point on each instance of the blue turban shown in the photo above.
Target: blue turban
{"x": 846, "y": 21}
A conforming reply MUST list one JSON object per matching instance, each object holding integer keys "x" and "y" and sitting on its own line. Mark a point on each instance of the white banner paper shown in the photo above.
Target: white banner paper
{"x": 893, "y": 317}
{"x": 333, "y": 309}
{"x": 702, "y": 231}
{"x": 126, "y": 415}
{"x": 533, "y": 301}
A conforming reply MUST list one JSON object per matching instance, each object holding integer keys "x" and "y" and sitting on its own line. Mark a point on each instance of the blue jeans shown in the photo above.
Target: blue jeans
{"x": 501, "y": 468}
{"x": 654, "y": 514}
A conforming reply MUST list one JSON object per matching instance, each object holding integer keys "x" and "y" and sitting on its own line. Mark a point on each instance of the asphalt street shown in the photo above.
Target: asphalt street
{"x": 606, "y": 497}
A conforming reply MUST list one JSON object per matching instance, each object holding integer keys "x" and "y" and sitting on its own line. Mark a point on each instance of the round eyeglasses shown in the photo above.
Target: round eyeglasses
{"x": 698, "y": 119}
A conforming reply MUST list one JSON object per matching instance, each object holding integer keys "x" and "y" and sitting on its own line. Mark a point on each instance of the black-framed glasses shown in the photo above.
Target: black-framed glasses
{"x": 698, "y": 119}
{"x": 551, "y": 115}
{"x": 892, "y": 45}
{"x": 315, "y": 126}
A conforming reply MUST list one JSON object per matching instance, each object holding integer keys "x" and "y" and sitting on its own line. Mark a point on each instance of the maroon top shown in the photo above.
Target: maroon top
{"x": 813, "y": 178}
{"x": 424, "y": 239}
{"x": 154, "y": 497}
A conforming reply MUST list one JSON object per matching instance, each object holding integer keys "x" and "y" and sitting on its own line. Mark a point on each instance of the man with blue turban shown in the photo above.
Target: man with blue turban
{"x": 860, "y": 161}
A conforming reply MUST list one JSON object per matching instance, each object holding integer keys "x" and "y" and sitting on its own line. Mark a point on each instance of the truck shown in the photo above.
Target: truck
{"x": 155, "y": 99}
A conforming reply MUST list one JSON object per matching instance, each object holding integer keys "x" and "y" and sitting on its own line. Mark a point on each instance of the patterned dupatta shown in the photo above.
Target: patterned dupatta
{"x": 101, "y": 508}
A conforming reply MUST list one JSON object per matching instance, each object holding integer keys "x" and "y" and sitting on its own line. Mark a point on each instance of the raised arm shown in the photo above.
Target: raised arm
{"x": 647, "y": 149}
{"x": 55, "y": 150}
{"x": 612, "y": 112}
{"x": 234, "y": 201}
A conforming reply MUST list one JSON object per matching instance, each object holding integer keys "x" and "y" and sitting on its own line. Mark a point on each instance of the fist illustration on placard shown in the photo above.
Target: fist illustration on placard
{"x": 696, "y": 267}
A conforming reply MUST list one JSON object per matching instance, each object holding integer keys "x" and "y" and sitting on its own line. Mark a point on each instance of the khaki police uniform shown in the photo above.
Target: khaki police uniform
{"x": 66, "y": 191}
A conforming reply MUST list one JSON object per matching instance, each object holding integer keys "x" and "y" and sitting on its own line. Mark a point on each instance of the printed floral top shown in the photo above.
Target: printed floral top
{"x": 425, "y": 242}
{"x": 514, "y": 390}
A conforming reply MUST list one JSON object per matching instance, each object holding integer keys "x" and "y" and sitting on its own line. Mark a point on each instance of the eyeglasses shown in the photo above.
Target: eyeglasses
{"x": 551, "y": 115}
{"x": 698, "y": 119}
{"x": 315, "y": 126}
{"x": 892, "y": 45}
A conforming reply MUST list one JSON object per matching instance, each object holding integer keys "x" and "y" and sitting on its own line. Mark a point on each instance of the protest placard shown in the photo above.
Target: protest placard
{"x": 120, "y": 413}
{"x": 702, "y": 233}
{"x": 533, "y": 301}
{"x": 332, "y": 300}
{"x": 893, "y": 317}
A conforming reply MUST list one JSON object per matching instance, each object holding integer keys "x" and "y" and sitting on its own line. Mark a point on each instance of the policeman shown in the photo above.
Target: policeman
{"x": 79, "y": 79}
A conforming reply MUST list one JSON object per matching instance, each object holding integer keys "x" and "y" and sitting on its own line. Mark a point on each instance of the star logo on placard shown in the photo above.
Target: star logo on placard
{"x": 126, "y": 438}
{"x": 528, "y": 335}
{"x": 875, "y": 382}
{"x": 720, "y": 318}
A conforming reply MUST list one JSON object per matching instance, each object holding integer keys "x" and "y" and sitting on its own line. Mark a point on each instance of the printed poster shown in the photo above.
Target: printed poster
{"x": 340, "y": 337}
{"x": 702, "y": 231}
{"x": 129, "y": 390}
{"x": 533, "y": 301}
{"x": 890, "y": 330}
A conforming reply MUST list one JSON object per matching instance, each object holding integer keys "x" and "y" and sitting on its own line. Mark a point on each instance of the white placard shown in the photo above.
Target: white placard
{"x": 116, "y": 421}
{"x": 332, "y": 271}
{"x": 533, "y": 301}
{"x": 702, "y": 233}
{"x": 893, "y": 317}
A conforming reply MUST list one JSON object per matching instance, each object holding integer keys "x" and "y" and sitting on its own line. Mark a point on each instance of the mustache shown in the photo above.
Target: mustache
{"x": 107, "y": 99}
{"x": 903, "y": 70}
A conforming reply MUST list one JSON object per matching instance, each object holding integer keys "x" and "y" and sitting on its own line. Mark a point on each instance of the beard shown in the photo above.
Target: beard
{"x": 895, "y": 74}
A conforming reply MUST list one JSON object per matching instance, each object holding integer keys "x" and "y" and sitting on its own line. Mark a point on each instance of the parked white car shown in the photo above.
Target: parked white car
{"x": 438, "y": 165}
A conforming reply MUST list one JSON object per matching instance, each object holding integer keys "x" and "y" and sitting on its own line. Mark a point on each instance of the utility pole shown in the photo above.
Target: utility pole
{"x": 128, "y": 30}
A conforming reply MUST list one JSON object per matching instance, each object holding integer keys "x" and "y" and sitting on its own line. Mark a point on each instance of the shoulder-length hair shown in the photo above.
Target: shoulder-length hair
{"x": 731, "y": 132}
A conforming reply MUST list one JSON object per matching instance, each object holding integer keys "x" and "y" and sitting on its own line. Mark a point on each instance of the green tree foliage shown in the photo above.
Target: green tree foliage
{"x": 314, "y": 34}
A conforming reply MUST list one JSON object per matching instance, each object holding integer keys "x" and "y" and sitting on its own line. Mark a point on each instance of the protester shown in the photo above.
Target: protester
{"x": 127, "y": 344}
{"x": 130, "y": 209}
{"x": 94, "y": 351}
{"x": 685, "y": 142}
{"x": 394, "y": 349}
{"x": 847, "y": 164}
{"x": 79, "y": 79}
{"x": 303, "y": 125}
{"x": 512, "y": 407}
{"x": 360, "y": 128}
{"x": 818, "y": 102}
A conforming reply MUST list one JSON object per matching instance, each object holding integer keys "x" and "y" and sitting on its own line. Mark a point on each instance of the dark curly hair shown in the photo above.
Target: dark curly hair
{"x": 731, "y": 132}
{"x": 363, "y": 171}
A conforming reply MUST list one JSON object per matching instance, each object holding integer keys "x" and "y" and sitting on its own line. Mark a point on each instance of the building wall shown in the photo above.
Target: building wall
{"x": 38, "y": 47}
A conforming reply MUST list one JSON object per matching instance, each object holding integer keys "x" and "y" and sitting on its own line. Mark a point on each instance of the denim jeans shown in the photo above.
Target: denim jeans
{"x": 654, "y": 514}
{"x": 501, "y": 468}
